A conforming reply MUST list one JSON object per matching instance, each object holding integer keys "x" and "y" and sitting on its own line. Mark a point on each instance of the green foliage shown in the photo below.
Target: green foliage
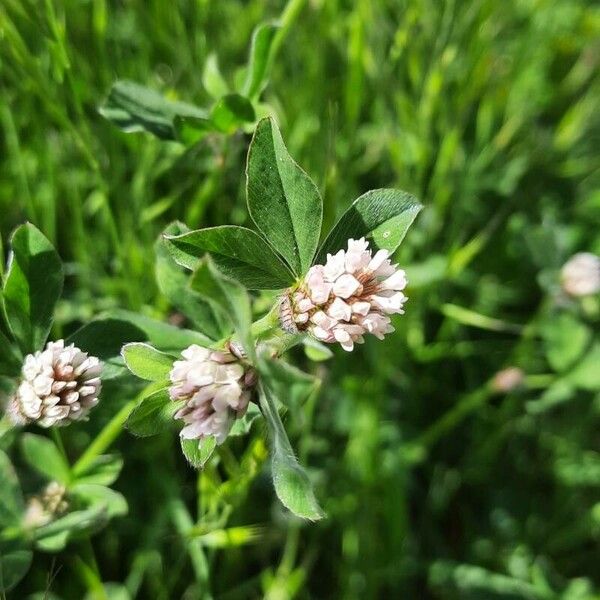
{"x": 11, "y": 499}
{"x": 153, "y": 414}
{"x": 239, "y": 252}
{"x": 230, "y": 112}
{"x": 198, "y": 452}
{"x": 44, "y": 457}
{"x": 105, "y": 336}
{"x": 134, "y": 107}
{"x": 435, "y": 484}
{"x": 291, "y": 482}
{"x": 103, "y": 470}
{"x": 283, "y": 201}
{"x": 229, "y": 296}
{"x": 15, "y": 560}
{"x": 382, "y": 216}
{"x": 174, "y": 284}
{"x": 259, "y": 61}
{"x": 146, "y": 362}
{"x": 32, "y": 286}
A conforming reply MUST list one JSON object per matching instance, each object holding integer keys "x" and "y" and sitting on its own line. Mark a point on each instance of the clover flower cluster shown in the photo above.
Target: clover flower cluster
{"x": 216, "y": 388}
{"x": 349, "y": 296}
{"x": 43, "y": 508}
{"x": 59, "y": 385}
{"x": 580, "y": 275}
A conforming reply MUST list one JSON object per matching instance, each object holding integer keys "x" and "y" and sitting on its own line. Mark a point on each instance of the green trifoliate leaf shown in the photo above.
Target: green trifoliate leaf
{"x": 174, "y": 282}
{"x": 198, "y": 452}
{"x": 291, "y": 482}
{"x": 231, "y": 112}
{"x": 282, "y": 199}
{"x": 240, "y": 253}
{"x": 11, "y": 498}
{"x": 32, "y": 286}
{"x": 153, "y": 414}
{"x": 43, "y": 456}
{"x": 228, "y": 296}
{"x": 259, "y": 59}
{"x": 147, "y": 362}
{"x": 382, "y": 216}
{"x": 134, "y": 107}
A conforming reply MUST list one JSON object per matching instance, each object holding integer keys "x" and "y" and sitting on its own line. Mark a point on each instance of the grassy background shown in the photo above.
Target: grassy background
{"x": 435, "y": 486}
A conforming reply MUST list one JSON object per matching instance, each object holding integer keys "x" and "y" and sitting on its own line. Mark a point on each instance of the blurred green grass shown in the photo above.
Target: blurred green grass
{"x": 487, "y": 111}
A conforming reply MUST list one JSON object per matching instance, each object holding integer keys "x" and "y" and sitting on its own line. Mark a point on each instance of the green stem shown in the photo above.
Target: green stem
{"x": 105, "y": 438}
{"x": 183, "y": 523}
{"x": 454, "y": 416}
{"x": 289, "y": 15}
{"x": 87, "y": 570}
{"x": 539, "y": 381}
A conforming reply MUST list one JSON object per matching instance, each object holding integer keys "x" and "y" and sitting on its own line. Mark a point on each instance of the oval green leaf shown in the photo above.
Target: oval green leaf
{"x": 134, "y": 107}
{"x": 382, "y": 216}
{"x": 291, "y": 482}
{"x": 33, "y": 285}
{"x": 259, "y": 59}
{"x": 239, "y": 253}
{"x": 153, "y": 415}
{"x": 42, "y": 455}
{"x": 146, "y": 362}
{"x": 197, "y": 452}
{"x": 283, "y": 201}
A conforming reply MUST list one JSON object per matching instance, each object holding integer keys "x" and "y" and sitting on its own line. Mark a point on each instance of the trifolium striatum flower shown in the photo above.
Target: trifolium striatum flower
{"x": 58, "y": 385}
{"x": 216, "y": 388}
{"x": 349, "y": 296}
{"x": 580, "y": 275}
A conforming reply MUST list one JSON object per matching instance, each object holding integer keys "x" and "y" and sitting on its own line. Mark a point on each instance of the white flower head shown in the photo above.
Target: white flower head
{"x": 349, "y": 296}
{"x": 41, "y": 509}
{"x": 580, "y": 275}
{"x": 508, "y": 379}
{"x": 216, "y": 388}
{"x": 59, "y": 385}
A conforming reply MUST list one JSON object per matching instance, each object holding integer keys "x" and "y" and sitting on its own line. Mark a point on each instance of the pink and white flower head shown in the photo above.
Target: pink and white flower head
{"x": 349, "y": 296}
{"x": 216, "y": 389}
{"x": 580, "y": 275}
{"x": 58, "y": 385}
